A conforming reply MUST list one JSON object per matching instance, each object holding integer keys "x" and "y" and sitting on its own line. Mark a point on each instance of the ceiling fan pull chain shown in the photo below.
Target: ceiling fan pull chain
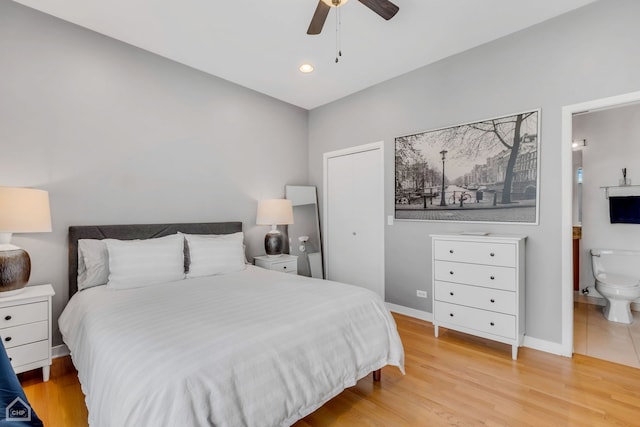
{"x": 338, "y": 34}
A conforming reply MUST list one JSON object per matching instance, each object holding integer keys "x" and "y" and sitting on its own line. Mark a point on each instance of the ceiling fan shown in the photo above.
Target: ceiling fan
{"x": 384, "y": 8}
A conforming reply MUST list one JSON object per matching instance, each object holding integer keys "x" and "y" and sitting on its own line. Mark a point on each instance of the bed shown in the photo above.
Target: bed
{"x": 251, "y": 347}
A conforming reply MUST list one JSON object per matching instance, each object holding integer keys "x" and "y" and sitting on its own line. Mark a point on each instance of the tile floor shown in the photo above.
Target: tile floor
{"x": 595, "y": 336}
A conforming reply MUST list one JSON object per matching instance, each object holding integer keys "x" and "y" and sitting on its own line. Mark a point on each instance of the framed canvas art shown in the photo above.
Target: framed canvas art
{"x": 484, "y": 171}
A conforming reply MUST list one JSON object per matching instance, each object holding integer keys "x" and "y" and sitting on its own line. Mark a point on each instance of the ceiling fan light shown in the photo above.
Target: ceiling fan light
{"x": 335, "y": 3}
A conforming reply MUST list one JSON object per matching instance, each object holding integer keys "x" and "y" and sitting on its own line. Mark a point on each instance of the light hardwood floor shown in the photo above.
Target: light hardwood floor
{"x": 455, "y": 380}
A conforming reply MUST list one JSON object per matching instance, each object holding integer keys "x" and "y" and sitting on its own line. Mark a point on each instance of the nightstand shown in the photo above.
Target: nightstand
{"x": 284, "y": 263}
{"x": 25, "y": 328}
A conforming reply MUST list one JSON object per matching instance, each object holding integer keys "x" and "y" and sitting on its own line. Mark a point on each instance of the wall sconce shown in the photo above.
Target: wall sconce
{"x": 578, "y": 144}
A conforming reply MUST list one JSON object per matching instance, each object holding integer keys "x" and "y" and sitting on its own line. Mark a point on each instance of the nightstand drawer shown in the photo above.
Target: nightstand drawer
{"x": 25, "y": 334}
{"x": 284, "y": 264}
{"x": 290, "y": 266}
{"x": 29, "y": 353}
{"x": 25, "y": 328}
{"x": 25, "y": 313}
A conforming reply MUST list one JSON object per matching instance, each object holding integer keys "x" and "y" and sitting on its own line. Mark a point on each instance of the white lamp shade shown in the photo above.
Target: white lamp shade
{"x": 24, "y": 210}
{"x": 274, "y": 212}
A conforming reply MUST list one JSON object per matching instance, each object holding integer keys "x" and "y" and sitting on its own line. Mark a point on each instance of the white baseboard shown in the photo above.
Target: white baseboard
{"x": 59, "y": 351}
{"x": 529, "y": 342}
{"x": 411, "y": 312}
{"x": 546, "y": 346}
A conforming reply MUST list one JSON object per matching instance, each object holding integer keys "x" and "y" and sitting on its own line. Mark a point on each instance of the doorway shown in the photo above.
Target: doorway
{"x": 354, "y": 216}
{"x": 567, "y": 181}
{"x": 605, "y": 146}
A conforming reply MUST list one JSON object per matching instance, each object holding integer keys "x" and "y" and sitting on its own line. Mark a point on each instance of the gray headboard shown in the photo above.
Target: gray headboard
{"x": 136, "y": 231}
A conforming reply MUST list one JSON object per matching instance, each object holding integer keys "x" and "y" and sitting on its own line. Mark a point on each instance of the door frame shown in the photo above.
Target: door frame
{"x": 326, "y": 244}
{"x": 567, "y": 204}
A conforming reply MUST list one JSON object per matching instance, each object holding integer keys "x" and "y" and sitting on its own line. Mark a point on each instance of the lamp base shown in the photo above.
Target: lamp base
{"x": 273, "y": 243}
{"x": 15, "y": 269}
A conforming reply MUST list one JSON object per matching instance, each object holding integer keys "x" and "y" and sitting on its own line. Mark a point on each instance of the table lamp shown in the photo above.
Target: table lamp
{"x": 22, "y": 210}
{"x": 274, "y": 212}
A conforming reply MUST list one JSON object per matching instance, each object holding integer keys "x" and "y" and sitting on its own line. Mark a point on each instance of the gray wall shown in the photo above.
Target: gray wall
{"x": 119, "y": 135}
{"x": 588, "y": 54}
{"x": 613, "y": 142}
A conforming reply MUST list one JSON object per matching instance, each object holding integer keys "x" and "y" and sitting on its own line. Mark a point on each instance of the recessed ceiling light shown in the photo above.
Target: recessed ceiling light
{"x": 306, "y": 68}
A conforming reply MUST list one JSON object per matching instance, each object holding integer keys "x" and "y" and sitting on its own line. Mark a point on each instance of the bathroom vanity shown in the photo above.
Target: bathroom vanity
{"x": 478, "y": 286}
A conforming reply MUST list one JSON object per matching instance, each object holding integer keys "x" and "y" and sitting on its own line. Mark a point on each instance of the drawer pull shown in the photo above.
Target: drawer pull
{"x": 7, "y": 339}
{"x": 8, "y": 317}
{"x": 451, "y": 272}
{"x": 450, "y": 251}
{"x": 451, "y": 293}
{"x": 284, "y": 267}
{"x": 492, "y": 324}
{"x": 451, "y": 314}
{"x": 492, "y": 300}
{"x": 493, "y": 277}
{"x": 492, "y": 254}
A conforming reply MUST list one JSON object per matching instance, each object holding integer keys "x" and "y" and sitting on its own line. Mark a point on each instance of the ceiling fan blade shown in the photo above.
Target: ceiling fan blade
{"x": 384, "y": 8}
{"x": 320, "y": 15}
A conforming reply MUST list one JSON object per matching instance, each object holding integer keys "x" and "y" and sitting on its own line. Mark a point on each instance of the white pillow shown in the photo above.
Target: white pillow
{"x": 239, "y": 236}
{"x": 233, "y": 236}
{"x": 211, "y": 256}
{"x": 93, "y": 263}
{"x": 137, "y": 263}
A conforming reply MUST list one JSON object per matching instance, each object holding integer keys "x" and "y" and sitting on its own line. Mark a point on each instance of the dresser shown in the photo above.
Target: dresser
{"x": 478, "y": 286}
{"x": 25, "y": 328}
{"x": 284, "y": 263}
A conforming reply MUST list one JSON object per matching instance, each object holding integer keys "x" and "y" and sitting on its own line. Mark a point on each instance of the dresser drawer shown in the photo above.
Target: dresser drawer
{"x": 24, "y": 334}
{"x": 503, "y": 325}
{"x": 25, "y": 313}
{"x": 488, "y": 253}
{"x": 488, "y": 276}
{"x": 473, "y": 296}
{"x": 29, "y": 353}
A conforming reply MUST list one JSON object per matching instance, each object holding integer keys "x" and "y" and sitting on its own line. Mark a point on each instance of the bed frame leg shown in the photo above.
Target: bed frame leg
{"x": 377, "y": 374}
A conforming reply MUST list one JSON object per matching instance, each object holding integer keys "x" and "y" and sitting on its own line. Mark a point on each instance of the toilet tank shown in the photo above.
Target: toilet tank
{"x": 616, "y": 261}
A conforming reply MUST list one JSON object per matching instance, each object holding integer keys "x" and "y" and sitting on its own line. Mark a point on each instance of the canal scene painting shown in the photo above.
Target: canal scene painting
{"x": 485, "y": 171}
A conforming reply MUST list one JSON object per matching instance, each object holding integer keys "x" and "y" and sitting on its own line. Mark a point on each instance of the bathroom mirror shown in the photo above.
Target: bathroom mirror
{"x": 304, "y": 233}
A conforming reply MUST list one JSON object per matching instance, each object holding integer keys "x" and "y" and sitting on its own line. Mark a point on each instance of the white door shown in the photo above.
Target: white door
{"x": 354, "y": 216}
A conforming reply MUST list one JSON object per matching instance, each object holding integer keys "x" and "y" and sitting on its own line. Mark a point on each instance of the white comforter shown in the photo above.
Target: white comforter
{"x": 254, "y": 348}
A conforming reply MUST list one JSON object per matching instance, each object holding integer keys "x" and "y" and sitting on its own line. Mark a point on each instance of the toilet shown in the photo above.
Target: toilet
{"x": 617, "y": 274}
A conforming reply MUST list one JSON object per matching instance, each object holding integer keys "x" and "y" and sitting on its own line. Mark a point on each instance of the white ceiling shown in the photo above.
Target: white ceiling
{"x": 260, "y": 44}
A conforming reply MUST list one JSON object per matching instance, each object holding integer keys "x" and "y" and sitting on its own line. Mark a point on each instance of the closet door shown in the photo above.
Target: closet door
{"x": 354, "y": 216}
